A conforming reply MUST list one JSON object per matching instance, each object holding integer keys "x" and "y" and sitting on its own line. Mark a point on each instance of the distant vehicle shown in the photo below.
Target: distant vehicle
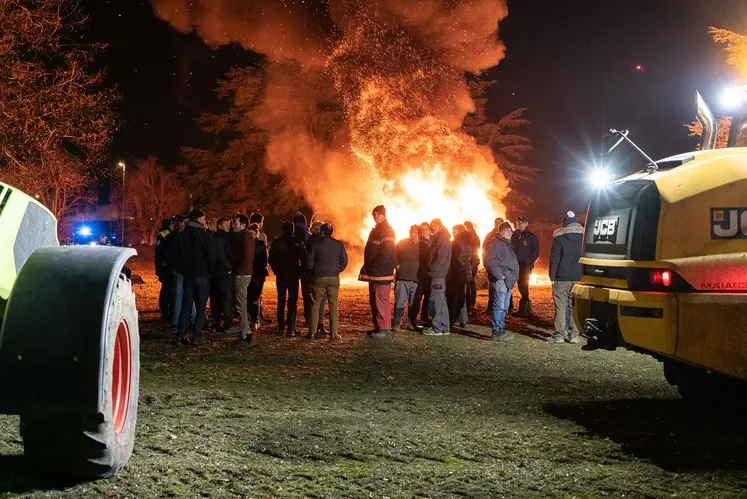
{"x": 665, "y": 260}
{"x": 95, "y": 234}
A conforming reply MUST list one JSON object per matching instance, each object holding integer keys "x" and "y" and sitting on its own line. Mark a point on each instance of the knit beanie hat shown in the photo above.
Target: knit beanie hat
{"x": 196, "y": 213}
{"x": 569, "y": 218}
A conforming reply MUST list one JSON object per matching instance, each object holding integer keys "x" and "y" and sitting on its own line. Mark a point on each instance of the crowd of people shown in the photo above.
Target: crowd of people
{"x": 434, "y": 275}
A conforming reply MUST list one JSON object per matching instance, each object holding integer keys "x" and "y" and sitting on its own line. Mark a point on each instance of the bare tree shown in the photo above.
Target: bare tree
{"x": 57, "y": 121}
{"x": 159, "y": 196}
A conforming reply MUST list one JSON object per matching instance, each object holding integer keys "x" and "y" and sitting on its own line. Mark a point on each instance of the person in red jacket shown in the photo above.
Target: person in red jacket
{"x": 379, "y": 260}
{"x": 243, "y": 270}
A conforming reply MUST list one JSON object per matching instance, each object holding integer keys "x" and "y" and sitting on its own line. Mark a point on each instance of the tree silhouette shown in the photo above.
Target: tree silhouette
{"x": 510, "y": 148}
{"x": 57, "y": 121}
{"x": 158, "y": 197}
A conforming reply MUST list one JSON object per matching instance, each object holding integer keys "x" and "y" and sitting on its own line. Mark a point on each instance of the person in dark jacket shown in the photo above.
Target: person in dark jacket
{"x": 325, "y": 260}
{"x": 565, "y": 271}
{"x": 526, "y": 246}
{"x": 259, "y": 219}
{"x": 254, "y": 297}
{"x": 315, "y": 234}
{"x": 424, "y": 282}
{"x": 406, "y": 283}
{"x": 475, "y": 263}
{"x": 164, "y": 270}
{"x": 460, "y": 275}
{"x": 286, "y": 257}
{"x": 302, "y": 235}
{"x": 502, "y": 267}
{"x": 177, "y": 279}
{"x": 243, "y": 252}
{"x": 192, "y": 247}
{"x": 379, "y": 260}
{"x": 439, "y": 263}
{"x": 221, "y": 277}
{"x": 489, "y": 237}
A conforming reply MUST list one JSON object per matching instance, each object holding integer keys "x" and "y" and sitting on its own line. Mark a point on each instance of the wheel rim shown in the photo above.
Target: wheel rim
{"x": 121, "y": 377}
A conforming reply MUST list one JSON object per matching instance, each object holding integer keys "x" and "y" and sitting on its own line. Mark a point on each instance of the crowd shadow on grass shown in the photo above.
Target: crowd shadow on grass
{"x": 19, "y": 475}
{"x": 672, "y": 433}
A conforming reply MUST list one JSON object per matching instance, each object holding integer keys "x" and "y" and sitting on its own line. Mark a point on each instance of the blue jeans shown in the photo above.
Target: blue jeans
{"x": 196, "y": 293}
{"x": 499, "y": 307}
{"x": 178, "y": 295}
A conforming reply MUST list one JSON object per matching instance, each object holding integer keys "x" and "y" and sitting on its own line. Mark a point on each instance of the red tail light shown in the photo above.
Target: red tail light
{"x": 666, "y": 278}
{"x": 661, "y": 278}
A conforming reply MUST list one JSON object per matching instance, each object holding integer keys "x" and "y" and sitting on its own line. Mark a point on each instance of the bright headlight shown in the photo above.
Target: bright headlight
{"x": 734, "y": 98}
{"x": 601, "y": 178}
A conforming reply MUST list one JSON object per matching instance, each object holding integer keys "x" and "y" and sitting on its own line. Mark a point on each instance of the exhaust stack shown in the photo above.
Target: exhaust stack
{"x": 710, "y": 127}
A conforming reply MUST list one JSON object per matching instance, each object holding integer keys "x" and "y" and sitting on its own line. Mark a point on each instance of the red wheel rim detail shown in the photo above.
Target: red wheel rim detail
{"x": 121, "y": 377}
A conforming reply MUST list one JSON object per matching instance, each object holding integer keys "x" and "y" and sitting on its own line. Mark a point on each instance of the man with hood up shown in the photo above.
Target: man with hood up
{"x": 286, "y": 256}
{"x": 565, "y": 271}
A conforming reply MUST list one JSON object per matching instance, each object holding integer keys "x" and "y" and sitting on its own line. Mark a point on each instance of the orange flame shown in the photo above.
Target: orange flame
{"x": 420, "y": 196}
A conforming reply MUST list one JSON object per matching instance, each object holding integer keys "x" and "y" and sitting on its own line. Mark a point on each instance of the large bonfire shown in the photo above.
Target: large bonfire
{"x": 397, "y": 70}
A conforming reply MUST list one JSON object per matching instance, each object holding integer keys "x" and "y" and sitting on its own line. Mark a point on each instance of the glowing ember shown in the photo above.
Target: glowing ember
{"x": 420, "y": 196}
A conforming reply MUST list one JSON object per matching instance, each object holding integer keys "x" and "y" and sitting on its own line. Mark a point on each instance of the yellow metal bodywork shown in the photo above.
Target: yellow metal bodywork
{"x": 11, "y": 216}
{"x": 704, "y": 327}
{"x": 656, "y": 335}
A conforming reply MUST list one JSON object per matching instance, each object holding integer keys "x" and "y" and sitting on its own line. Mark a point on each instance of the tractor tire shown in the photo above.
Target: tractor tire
{"x": 96, "y": 445}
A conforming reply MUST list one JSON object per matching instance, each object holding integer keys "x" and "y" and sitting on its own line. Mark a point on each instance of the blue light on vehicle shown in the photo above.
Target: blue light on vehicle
{"x": 84, "y": 231}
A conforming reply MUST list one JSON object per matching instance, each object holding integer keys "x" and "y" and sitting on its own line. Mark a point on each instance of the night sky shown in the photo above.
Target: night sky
{"x": 571, "y": 63}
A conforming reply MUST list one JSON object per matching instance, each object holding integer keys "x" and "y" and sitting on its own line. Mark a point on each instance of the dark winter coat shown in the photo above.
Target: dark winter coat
{"x": 461, "y": 259}
{"x": 501, "y": 263}
{"x": 243, "y": 251}
{"x": 489, "y": 238}
{"x": 326, "y": 257}
{"x": 526, "y": 245}
{"x": 439, "y": 259}
{"x": 475, "y": 242}
{"x": 221, "y": 254}
{"x": 424, "y": 253}
{"x": 163, "y": 257}
{"x": 191, "y": 252}
{"x": 565, "y": 253}
{"x": 286, "y": 257}
{"x": 379, "y": 255}
{"x": 408, "y": 260}
{"x": 260, "y": 259}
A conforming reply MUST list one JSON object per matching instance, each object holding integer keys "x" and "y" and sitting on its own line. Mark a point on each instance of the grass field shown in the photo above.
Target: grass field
{"x": 414, "y": 417}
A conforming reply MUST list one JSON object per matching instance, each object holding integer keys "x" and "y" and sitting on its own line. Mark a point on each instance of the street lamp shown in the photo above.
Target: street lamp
{"x": 122, "y": 165}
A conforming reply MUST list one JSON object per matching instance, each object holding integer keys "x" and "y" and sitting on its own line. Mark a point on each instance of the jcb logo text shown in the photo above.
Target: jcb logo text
{"x": 728, "y": 223}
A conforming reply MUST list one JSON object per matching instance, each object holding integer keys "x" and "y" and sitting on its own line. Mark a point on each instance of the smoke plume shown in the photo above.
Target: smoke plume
{"x": 360, "y": 92}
